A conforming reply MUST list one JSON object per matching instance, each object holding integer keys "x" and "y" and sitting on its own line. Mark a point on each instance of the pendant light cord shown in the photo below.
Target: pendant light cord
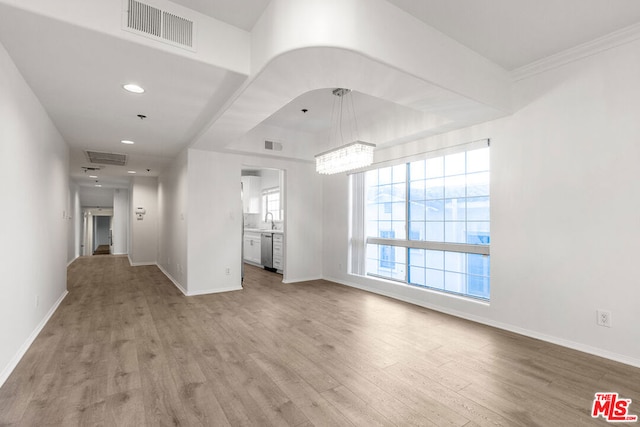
{"x": 355, "y": 118}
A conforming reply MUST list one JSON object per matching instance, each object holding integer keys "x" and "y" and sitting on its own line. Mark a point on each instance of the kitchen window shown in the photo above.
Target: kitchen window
{"x": 426, "y": 222}
{"x": 271, "y": 202}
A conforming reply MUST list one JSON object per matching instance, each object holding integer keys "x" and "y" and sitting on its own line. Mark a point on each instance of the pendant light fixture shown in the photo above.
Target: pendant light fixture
{"x": 349, "y": 156}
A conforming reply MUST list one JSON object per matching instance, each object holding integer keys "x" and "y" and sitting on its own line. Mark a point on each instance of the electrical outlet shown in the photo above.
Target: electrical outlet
{"x": 604, "y": 318}
{"x": 227, "y": 271}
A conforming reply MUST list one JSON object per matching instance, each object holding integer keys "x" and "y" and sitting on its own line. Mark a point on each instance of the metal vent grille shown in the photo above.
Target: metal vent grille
{"x": 100, "y": 158}
{"x": 177, "y": 29}
{"x": 144, "y": 18}
{"x": 159, "y": 24}
{"x": 272, "y": 145}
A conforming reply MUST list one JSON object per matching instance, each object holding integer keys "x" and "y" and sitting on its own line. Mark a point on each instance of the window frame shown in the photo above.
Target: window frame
{"x": 360, "y": 241}
{"x": 266, "y": 192}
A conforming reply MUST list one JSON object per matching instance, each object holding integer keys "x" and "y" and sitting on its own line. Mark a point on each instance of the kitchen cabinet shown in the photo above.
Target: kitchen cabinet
{"x": 251, "y": 192}
{"x": 252, "y": 250}
{"x": 278, "y": 251}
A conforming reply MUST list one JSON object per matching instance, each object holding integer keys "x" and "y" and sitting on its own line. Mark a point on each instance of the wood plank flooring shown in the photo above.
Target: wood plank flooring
{"x": 102, "y": 250}
{"x": 126, "y": 348}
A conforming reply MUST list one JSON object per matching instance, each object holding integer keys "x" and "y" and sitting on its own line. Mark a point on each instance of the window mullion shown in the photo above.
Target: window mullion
{"x": 407, "y": 203}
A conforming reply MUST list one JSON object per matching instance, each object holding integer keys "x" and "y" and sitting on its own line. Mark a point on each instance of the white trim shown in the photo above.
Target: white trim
{"x": 430, "y": 245}
{"x": 173, "y": 280}
{"x": 304, "y": 279}
{"x": 72, "y": 261}
{"x": 21, "y": 352}
{"x": 499, "y": 325}
{"x": 139, "y": 264}
{"x": 255, "y": 264}
{"x": 192, "y": 294}
{"x": 429, "y": 154}
{"x": 610, "y": 41}
{"x": 214, "y": 291}
{"x": 357, "y": 230}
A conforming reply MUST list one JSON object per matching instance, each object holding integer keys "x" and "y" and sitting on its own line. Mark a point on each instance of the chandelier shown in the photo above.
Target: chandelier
{"x": 350, "y": 156}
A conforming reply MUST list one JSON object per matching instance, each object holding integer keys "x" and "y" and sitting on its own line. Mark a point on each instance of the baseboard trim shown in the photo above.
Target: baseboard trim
{"x": 305, "y": 279}
{"x": 193, "y": 294}
{"x": 6, "y": 372}
{"x": 173, "y": 280}
{"x": 214, "y": 291}
{"x": 72, "y": 261}
{"x": 631, "y": 361}
{"x": 139, "y": 264}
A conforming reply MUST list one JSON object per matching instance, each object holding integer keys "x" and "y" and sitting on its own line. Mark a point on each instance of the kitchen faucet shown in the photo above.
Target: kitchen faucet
{"x": 273, "y": 224}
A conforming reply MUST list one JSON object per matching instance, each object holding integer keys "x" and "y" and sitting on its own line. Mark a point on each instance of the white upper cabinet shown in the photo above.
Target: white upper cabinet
{"x": 251, "y": 187}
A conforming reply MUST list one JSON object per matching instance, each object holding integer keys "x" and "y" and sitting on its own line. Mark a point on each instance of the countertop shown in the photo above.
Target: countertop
{"x": 263, "y": 230}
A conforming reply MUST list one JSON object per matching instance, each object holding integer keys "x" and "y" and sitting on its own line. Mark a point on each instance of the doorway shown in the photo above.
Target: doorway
{"x": 102, "y": 233}
{"x": 97, "y": 231}
{"x": 264, "y": 218}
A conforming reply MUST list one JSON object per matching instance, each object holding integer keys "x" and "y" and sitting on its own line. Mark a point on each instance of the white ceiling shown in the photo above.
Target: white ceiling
{"x": 511, "y": 33}
{"x": 239, "y": 13}
{"x": 514, "y": 33}
{"x": 77, "y": 73}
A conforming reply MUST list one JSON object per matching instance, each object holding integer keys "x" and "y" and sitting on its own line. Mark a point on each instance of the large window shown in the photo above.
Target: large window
{"x": 271, "y": 203}
{"x": 426, "y": 222}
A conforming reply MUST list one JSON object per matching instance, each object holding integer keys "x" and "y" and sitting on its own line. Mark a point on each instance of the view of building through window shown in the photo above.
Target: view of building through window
{"x": 427, "y": 222}
{"x": 271, "y": 203}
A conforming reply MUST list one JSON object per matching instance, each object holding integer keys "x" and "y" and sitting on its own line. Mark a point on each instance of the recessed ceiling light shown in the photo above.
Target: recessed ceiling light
{"x": 133, "y": 88}
{"x": 92, "y": 176}
{"x": 131, "y": 171}
{"x": 98, "y": 185}
{"x": 126, "y": 141}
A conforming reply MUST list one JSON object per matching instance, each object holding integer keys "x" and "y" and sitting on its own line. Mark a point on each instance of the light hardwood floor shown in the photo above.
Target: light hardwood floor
{"x": 127, "y": 348}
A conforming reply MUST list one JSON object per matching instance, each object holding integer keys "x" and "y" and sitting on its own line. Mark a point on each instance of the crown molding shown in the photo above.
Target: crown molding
{"x": 614, "y": 39}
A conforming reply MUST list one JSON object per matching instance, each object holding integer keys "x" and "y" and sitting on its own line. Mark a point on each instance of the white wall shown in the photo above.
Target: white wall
{"x": 215, "y": 220}
{"x": 269, "y": 178}
{"x": 74, "y": 217}
{"x": 172, "y": 230}
{"x": 121, "y": 219}
{"x": 564, "y": 209}
{"x": 303, "y": 229}
{"x": 96, "y": 197}
{"x": 34, "y": 171}
{"x": 144, "y": 232}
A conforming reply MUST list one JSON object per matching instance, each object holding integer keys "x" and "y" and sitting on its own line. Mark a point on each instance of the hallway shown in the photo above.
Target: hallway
{"x": 127, "y": 348}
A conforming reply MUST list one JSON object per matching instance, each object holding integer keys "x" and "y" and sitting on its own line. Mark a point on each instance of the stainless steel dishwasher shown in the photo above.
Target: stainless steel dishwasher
{"x": 266, "y": 250}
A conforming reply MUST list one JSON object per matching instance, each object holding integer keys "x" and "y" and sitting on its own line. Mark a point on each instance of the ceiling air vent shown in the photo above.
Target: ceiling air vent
{"x": 144, "y": 18}
{"x": 272, "y": 145}
{"x": 159, "y": 24}
{"x": 176, "y": 29}
{"x": 115, "y": 159}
